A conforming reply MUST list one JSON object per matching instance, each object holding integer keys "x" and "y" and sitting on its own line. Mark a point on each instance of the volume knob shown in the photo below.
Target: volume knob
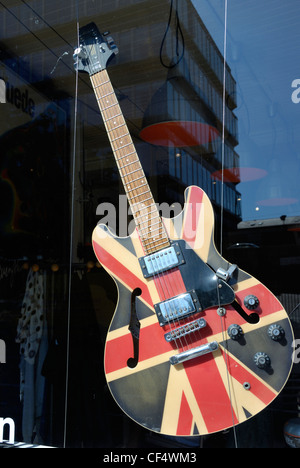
{"x": 276, "y": 332}
{"x": 251, "y": 302}
{"x": 235, "y": 332}
{"x": 262, "y": 360}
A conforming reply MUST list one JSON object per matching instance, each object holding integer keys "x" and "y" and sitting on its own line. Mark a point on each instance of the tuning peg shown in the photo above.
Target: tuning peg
{"x": 112, "y": 45}
{"x": 79, "y": 52}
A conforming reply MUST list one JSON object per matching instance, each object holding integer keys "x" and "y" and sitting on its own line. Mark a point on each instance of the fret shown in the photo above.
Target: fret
{"x": 139, "y": 178}
{"x": 119, "y": 126}
{"x": 121, "y": 147}
{"x": 146, "y": 199}
{"x": 154, "y": 234}
{"x": 159, "y": 244}
{"x": 150, "y": 214}
{"x": 136, "y": 196}
{"x": 107, "y": 113}
{"x": 140, "y": 219}
{"x": 101, "y": 84}
{"x": 111, "y": 93}
{"x": 143, "y": 208}
{"x": 122, "y": 136}
{"x": 115, "y": 116}
{"x": 108, "y": 107}
{"x": 129, "y": 164}
{"x": 152, "y": 240}
{"x": 126, "y": 177}
{"x": 139, "y": 202}
{"x": 103, "y": 104}
{"x": 154, "y": 220}
{"x": 132, "y": 172}
{"x": 140, "y": 194}
{"x": 152, "y": 224}
{"x": 127, "y": 155}
{"x": 136, "y": 188}
{"x": 151, "y": 206}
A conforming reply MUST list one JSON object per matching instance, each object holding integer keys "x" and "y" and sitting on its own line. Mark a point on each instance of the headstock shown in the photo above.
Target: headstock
{"x": 95, "y": 50}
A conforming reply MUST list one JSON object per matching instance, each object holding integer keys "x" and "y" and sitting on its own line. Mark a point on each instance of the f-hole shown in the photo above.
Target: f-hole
{"x": 251, "y": 318}
{"x": 134, "y": 328}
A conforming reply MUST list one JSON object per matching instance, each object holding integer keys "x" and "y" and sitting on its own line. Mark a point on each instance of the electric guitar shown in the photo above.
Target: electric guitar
{"x": 195, "y": 345}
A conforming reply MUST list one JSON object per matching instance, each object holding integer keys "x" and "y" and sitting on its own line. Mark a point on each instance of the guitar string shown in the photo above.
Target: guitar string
{"x": 167, "y": 291}
{"x": 175, "y": 322}
{"x": 164, "y": 286}
{"x": 222, "y": 321}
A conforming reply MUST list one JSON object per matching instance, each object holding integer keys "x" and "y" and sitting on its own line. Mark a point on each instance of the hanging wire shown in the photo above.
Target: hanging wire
{"x": 222, "y": 210}
{"x": 71, "y": 233}
{"x": 223, "y": 128}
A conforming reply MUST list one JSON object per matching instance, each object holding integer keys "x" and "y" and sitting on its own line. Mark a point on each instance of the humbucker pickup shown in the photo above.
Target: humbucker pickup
{"x": 161, "y": 261}
{"x": 177, "y": 307}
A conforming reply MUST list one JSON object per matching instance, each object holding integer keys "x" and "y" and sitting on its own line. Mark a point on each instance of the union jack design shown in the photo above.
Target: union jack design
{"x": 166, "y": 372}
{"x": 209, "y": 393}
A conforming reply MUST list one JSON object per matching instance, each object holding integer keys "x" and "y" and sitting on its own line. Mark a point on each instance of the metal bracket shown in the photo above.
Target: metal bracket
{"x": 226, "y": 274}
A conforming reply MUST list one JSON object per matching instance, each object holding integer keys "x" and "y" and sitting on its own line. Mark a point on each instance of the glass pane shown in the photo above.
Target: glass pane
{"x": 171, "y": 94}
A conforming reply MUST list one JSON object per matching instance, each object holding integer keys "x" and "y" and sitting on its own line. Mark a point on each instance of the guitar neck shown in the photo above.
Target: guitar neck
{"x": 147, "y": 219}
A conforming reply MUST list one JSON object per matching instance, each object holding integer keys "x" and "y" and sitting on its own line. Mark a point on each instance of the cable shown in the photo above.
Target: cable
{"x": 178, "y": 31}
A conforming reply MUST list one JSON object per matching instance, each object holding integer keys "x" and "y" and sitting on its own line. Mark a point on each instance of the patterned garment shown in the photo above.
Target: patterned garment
{"x": 30, "y": 326}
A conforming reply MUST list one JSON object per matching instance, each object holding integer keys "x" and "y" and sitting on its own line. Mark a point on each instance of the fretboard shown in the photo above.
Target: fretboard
{"x": 144, "y": 210}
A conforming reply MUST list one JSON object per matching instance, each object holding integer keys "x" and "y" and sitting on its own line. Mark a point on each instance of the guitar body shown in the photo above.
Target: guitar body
{"x": 208, "y": 393}
{"x": 195, "y": 345}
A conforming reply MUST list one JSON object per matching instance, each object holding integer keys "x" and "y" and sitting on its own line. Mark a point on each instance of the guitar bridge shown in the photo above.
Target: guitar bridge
{"x": 185, "y": 330}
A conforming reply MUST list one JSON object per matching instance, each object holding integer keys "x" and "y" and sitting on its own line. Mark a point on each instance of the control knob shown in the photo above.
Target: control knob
{"x": 235, "y": 332}
{"x": 262, "y": 360}
{"x": 276, "y": 332}
{"x": 251, "y": 302}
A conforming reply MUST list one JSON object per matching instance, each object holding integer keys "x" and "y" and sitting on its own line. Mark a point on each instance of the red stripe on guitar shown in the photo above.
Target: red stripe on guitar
{"x": 121, "y": 272}
{"x": 241, "y": 374}
{"x": 151, "y": 344}
{"x": 169, "y": 284}
{"x": 185, "y": 419}
{"x": 210, "y": 393}
{"x": 114, "y": 359}
{"x": 192, "y": 215}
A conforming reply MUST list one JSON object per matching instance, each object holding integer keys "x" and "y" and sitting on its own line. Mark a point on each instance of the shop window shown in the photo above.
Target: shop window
{"x": 228, "y": 137}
